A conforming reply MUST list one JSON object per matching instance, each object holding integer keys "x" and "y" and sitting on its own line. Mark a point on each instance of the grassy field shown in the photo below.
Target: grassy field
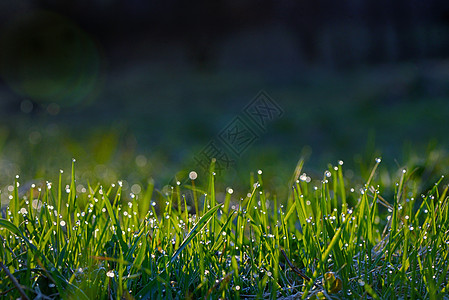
{"x": 331, "y": 237}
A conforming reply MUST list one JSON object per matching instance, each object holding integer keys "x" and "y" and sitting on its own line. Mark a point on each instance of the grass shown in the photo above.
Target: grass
{"x": 331, "y": 238}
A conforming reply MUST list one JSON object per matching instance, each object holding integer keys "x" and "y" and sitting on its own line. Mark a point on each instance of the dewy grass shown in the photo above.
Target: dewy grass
{"x": 326, "y": 241}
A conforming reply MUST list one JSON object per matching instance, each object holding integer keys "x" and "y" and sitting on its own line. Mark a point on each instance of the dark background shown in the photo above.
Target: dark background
{"x": 135, "y": 89}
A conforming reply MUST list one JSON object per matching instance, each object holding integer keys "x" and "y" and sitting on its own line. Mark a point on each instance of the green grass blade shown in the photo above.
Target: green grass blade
{"x": 202, "y": 222}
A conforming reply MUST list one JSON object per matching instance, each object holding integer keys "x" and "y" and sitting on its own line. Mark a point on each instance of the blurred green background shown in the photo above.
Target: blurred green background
{"x": 136, "y": 90}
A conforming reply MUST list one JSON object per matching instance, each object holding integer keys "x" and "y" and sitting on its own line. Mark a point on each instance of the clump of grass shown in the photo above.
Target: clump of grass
{"x": 327, "y": 240}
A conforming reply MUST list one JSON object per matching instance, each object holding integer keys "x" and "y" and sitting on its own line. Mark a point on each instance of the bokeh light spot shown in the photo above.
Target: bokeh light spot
{"x": 49, "y": 59}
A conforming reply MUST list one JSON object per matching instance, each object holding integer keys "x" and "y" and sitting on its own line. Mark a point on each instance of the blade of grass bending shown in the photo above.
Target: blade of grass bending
{"x": 195, "y": 230}
{"x": 13, "y": 229}
{"x": 222, "y": 229}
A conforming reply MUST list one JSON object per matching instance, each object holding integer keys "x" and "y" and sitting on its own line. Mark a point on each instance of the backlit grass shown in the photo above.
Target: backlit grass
{"x": 330, "y": 238}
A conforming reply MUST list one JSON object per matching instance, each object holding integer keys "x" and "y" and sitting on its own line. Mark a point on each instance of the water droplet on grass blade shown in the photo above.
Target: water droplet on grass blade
{"x": 110, "y": 274}
{"x": 193, "y": 175}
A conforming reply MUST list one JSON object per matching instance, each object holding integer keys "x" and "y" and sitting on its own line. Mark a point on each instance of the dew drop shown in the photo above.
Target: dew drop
{"x": 193, "y": 175}
{"x": 110, "y": 274}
